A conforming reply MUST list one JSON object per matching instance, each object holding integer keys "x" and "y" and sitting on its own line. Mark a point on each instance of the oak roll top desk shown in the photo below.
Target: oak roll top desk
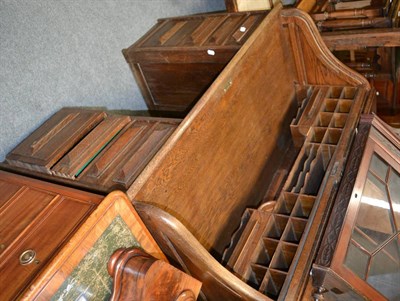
{"x": 274, "y": 128}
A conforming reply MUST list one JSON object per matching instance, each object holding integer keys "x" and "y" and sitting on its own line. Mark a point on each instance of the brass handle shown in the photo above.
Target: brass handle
{"x": 27, "y": 257}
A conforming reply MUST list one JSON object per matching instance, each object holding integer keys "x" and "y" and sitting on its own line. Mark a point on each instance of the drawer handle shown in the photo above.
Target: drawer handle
{"x": 27, "y": 257}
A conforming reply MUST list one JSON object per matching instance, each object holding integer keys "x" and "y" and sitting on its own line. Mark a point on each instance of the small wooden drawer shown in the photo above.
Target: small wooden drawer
{"x": 177, "y": 60}
{"x": 36, "y": 220}
{"x": 91, "y": 149}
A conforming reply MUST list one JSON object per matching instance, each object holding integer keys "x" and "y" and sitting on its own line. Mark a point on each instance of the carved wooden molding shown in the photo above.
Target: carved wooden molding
{"x": 178, "y": 243}
{"x": 334, "y": 227}
{"x": 312, "y": 49}
{"x": 139, "y": 276}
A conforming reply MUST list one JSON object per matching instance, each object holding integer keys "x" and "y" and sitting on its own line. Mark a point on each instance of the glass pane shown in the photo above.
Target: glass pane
{"x": 394, "y": 190}
{"x": 384, "y": 274}
{"x": 393, "y": 249}
{"x": 379, "y": 167}
{"x": 364, "y": 240}
{"x": 374, "y": 216}
{"x": 357, "y": 261}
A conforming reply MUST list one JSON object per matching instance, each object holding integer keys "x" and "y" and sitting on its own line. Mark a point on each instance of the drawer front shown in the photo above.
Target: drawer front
{"x": 33, "y": 251}
{"x": 20, "y": 211}
{"x": 36, "y": 217}
{"x": 7, "y": 190}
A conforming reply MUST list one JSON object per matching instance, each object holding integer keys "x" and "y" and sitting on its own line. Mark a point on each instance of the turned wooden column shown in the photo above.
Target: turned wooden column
{"x": 139, "y": 276}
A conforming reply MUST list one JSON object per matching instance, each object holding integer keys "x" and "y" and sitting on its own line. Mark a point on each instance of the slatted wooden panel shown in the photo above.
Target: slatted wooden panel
{"x": 44, "y": 147}
{"x": 95, "y": 149}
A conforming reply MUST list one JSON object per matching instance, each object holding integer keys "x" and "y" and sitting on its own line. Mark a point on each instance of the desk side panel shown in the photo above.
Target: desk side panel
{"x": 213, "y": 166}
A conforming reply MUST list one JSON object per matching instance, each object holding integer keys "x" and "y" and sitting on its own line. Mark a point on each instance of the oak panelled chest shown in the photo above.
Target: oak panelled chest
{"x": 90, "y": 149}
{"x": 178, "y": 59}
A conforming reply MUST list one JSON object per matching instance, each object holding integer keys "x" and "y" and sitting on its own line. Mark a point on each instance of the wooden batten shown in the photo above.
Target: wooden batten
{"x": 361, "y": 38}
